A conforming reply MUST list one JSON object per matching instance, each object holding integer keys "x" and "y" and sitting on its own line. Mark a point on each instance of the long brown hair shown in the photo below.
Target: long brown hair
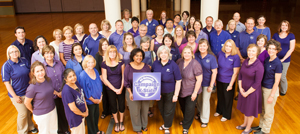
{"x": 100, "y": 50}
{"x": 189, "y": 24}
{"x": 32, "y": 69}
{"x": 124, "y": 43}
{"x": 72, "y": 51}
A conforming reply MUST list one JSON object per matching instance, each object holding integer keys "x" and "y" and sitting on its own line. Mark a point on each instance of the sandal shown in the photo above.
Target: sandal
{"x": 162, "y": 127}
{"x": 181, "y": 122}
{"x": 150, "y": 114}
{"x": 185, "y": 131}
{"x": 118, "y": 127}
{"x": 223, "y": 119}
{"x": 100, "y": 132}
{"x": 103, "y": 116}
{"x": 197, "y": 116}
{"x": 122, "y": 125}
{"x": 167, "y": 131}
{"x": 139, "y": 132}
{"x": 145, "y": 129}
{"x": 240, "y": 127}
{"x": 247, "y": 132}
{"x": 216, "y": 114}
{"x": 204, "y": 125}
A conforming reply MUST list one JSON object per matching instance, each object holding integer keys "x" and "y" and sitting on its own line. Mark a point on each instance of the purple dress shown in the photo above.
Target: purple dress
{"x": 184, "y": 40}
{"x": 262, "y": 56}
{"x": 251, "y": 76}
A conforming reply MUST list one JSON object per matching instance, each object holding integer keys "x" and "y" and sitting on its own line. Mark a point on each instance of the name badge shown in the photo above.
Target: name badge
{"x": 207, "y": 60}
{"x": 222, "y": 45}
{"x": 22, "y": 65}
{"x": 251, "y": 37}
{"x": 230, "y": 59}
{"x": 147, "y": 23}
{"x": 168, "y": 70}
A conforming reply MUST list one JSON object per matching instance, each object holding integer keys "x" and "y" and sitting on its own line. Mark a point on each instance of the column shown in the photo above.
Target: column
{"x": 135, "y": 8}
{"x": 186, "y": 5}
{"x": 112, "y": 12}
{"x": 144, "y": 5}
{"x": 177, "y": 6}
{"x": 209, "y": 8}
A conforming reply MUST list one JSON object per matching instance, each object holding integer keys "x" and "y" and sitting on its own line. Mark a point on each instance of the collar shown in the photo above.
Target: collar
{"x": 54, "y": 63}
{"x": 11, "y": 62}
{"x": 169, "y": 61}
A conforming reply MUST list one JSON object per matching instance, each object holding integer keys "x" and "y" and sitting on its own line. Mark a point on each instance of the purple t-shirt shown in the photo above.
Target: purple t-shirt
{"x": 285, "y": 45}
{"x": 81, "y": 42}
{"x": 183, "y": 45}
{"x": 126, "y": 55}
{"x": 184, "y": 40}
{"x": 134, "y": 33}
{"x": 66, "y": 49}
{"x": 55, "y": 73}
{"x": 42, "y": 97}
{"x": 262, "y": 56}
{"x": 226, "y": 66}
{"x": 128, "y": 74}
{"x": 201, "y": 35}
{"x": 70, "y": 95}
{"x": 114, "y": 77}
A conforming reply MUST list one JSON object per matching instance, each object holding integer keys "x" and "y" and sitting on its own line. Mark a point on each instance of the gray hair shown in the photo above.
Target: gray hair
{"x": 144, "y": 40}
{"x": 218, "y": 20}
{"x": 143, "y": 25}
{"x": 149, "y": 10}
{"x": 164, "y": 47}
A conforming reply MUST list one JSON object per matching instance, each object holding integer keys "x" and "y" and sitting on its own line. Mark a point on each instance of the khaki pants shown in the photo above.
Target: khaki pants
{"x": 203, "y": 105}
{"x": 79, "y": 129}
{"x": 24, "y": 122}
{"x": 267, "y": 115}
{"x": 47, "y": 123}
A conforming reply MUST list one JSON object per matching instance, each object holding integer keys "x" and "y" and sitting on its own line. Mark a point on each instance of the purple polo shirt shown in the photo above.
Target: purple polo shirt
{"x": 226, "y": 66}
{"x": 55, "y": 72}
{"x": 66, "y": 49}
{"x": 17, "y": 74}
{"x": 244, "y": 40}
{"x": 285, "y": 45}
{"x": 114, "y": 77}
{"x": 69, "y": 95}
{"x": 207, "y": 63}
{"x": 202, "y": 35}
{"x": 91, "y": 46}
{"x": 271, "y": 68}
{"x": 170, "y": 73}
{"x": 42, "y": 97}
{"x": 37, "y": 56}
{"x": 217, "y": 41}
{"x": 151, "y": 26}
{"x": 26, "y": 50}
{"x": 134, "y": 33}
{"x": 116, "y": 39}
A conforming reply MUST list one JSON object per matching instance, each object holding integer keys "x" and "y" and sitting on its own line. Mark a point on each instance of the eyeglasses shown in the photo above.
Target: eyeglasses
{"x": 13, "y": 52}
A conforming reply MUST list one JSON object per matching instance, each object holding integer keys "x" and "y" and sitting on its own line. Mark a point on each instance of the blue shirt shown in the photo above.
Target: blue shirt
{"x": 226, "y": 66}
{"x": 208, "y": 63}
{"x": 234, "y": 35}
{"x": 285, "y": 45}
{"x": 244, "y": 40}
{"x": 74, "y": 64}
{"x": 217, "y": 41}
{"x": 91, "y": 88}
{"x": 266, "y": 31}
{"x": 208, "y": 32}
{"x": 26, "y": 50}
{"x": 17, "y": 74}
{"x": 175, "y": 54}
{"x": 116, "y": 39}
{"x": 240, "y": 27}
{"x": 271, "y": 68}
{"x": 151, "y": 26}
{"x": 170, "y": 73}
{"x": 202, "y": 35}
{"x": 138, "y": 38}
{"x": 134, "y": 33}
{"x": 91, "y": 46}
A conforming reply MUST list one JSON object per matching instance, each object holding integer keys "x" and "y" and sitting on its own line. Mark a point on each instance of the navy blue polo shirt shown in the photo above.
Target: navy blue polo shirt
{"x": 208, "y": 32}
{"x": 17, "y": 74}
{"x": 208, "y": 63}
{"x": 175, "y": 54}
{"x": 170, "y": 73}
{"x": 26, "y": 50}
{"x": 91, "y": 46}
{"x": 243, "y": 41}
{"x": 116, "y": 39}
{"x": 234, "y": 35}
{"x": 217, "y": 41}
{"x": 271, "y": 68}
{"x": 151, "y": 26}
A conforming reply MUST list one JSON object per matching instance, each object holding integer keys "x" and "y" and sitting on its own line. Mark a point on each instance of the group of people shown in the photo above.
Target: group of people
{"x": 69, "y": 78}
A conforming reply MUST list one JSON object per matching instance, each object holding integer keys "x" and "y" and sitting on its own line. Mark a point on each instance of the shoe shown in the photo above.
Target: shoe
{"x": 282, "y": 94}
{"x": 150, "y": 114}
{"x": 216, "y": 114}
{"x": 185, "y": 131}
{"x": 117, "y": 127}
{"x": 257, "y": 128}
{"x": 247, "y": 132}
{"x": 236, "y": 97}
{"x": 223, "y": 119}
{"x": 259, "y": 132}
{"x": 122, "y": 125}
{"x": 34, "y": 131}
{"x": 240, "y": 127}
{"x": 204, "y": 125}
{"x": 197, "y": 117}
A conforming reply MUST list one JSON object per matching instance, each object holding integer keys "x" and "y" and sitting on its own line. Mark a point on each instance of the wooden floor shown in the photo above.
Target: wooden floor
{"x": 286, "y": 110}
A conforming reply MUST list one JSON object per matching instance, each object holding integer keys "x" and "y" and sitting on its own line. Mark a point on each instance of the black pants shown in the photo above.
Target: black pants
{"x": 61, "y": 117}
{"x": 167, "y": 108}
{"x": 188, "y": 109}
{"x": 116, "y": 100}
{"x": 93, "y": 118}
{"x": 105, "y": 102}
{"x": 225, "y": 99}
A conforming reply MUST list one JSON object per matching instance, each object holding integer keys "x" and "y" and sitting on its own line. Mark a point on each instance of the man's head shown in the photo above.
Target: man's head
{"x": 20, "y": 33}
{"x": 119, "y": 25}
{"x": 250, "y": 22}
{"x": 149, "y": 14}
{"x": 93, "y": 29}
{"x": 169, "y": 24}
{"x": 177, "y": 18}
{"x": 143, "y": 30}
{"x": 209, "y": 21}
{"x": 236, "y": 17}
{"x": 218, "y": 25}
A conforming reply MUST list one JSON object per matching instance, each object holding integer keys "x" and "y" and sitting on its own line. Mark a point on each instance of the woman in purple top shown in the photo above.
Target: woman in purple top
{"x": 250, "y": 77}
{"x": 228, "y": 69}
{"x": 128, "y": 46}
{"x": 138, "y": 109}
{"x": 163, "y": 18}
{"x": 198, "y": 30}
{"x": 169, "y": 42}
{"x": 288, "y": 43}
{"x": 65, "y": 47}
{"x": 135, "y": 27}
{"x": 179, "y": 37}
{"x": 191, "y": 23}
{"x": 261, "y": 42}
{"x": 112, "y": 76}
{"x": 74, "y": 102}
{"x": 191, "y": 73}
{"x": 191, "y": 36}
{"x": 79, "y": 33}
{"x": 39, "y": 99}
{"x": 157, "y": 42}
{"x": 209, "y": 65}
{"x": 54, "y": 70}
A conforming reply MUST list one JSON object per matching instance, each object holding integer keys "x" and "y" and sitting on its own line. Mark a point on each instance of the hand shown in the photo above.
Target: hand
{"x": 270, "y": 99}
{"x": 209, "y": 89}
{"x": 96, "y": 101}
{"x": 175, "y": 98}
{"x": 85, "y": 114}
{"x": 101, "y": 98}
{"x": 131, "y": 96}
{"x": 118, "y": 91}
{"x": 153, "y": 36}
{"x": 242, "y": 90}
{"x": 244, "y": 94}
{"x": 18, "y": 99}
{"x": 58, "y": 94}
{"x": 242, "y": 60}
{"x": 229, "y": 88}
{"x": 282, "y": 60}
{"x": 194, "y": 96}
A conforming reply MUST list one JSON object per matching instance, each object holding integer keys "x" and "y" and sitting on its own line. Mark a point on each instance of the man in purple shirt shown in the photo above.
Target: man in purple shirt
{"x": 150, "y": 23}
{"x": 91, "y": 43}
{"x": 143, "y": 30}
{"x": 116, "y": 38}
{"x": 209, "y": 28}
{"x": 24, "y": 45}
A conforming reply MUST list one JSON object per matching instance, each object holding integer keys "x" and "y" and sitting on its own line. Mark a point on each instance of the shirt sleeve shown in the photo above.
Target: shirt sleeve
{"x": 268, "y": 33}
{"x": 292, "y": 36}
{"x": 84, "y": 46}
{"x": 5, "y": 72}
{"x": 213, "y": 63}
{"x": 278, "y": 68}
{"x": 61, "y": 47}
{"x": 236, "y": 62}
{"x": 176, "y": 72}
{"x": 126, "y": 76}
{"x": 30, "y": 93}
{"x": 274, "y": 36}
{"x": 67, "y": 97}
{"x": 69, "y": 64}
{"x": 197, "y": 69}
{"x": 84, "y": 85}
{"x": 33, "y": 58}
{"x": 259, "y": 73}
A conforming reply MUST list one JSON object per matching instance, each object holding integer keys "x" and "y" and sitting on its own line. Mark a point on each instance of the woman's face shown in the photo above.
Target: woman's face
{"x": 232, "y": 25}
{"x": 192, "y": 20}
{"x": 40, "y": 43}
{"x": 203, "y": 48}
{"x": 105, "y": 27}
{"x": 145, "y": 45}
{"x": 49, "y": 55}
{"x": 197, "y": 26}
{"x": 112, "y": 54}
{"x": 261, "y": 21}
{"x": 163, "y": 15}
{"x": 138, "y": 57}
{"x": 13, "y": 53}
{"x": 164, "y": 55}
{"x": 90, "y": 64}
{"x": 68, "y": 34}
{"x": 261, "y": 42}
{"x": 128, "y": 39}
{"x": 39, "y": 72}
{"x": 159, "y": 30}
{"x": 228, "y": 47}
{"x": 168, "y": 42}
{"x": 191, "y": 39}
{"x": 187, "y": 54}
{"x": 78, "y": 30}
{"x": 58, "y": 36}
{"x": 104, "y": 45}
{"x": 77, "y": 51}
{"x": 135, "y": 24}
{"x": 184, "y": 16}
{"x": 272, "y": 50}
{"x": 178, "y": 32}
{"x": 71, "y": 78}
{"x": 284, "y": 27}
{"x": 252, "y": 52}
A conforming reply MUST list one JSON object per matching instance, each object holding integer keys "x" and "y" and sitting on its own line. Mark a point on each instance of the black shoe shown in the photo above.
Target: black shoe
{"x": 67, "y": 132}
{"x": 236, "y": 97}
{"x": 34, "y": 131}
{"x": 259, "y": 132}
{"x": 282, "y": 94}
{"x": 257, "y": 128}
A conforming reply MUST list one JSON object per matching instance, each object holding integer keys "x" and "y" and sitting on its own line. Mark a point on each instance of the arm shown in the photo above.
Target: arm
{"x": 75, "y": 110}
{"x": 152, "y": 45}
{"x": 61, "y": 56}
{"x": 12, "y": 92}
{"x": 197, "y": 87}
{"x": 122, "y": 84}
{"x": 291, "y": 50}
{"x": 275, "y": 87}
{"x": 177, "y": 89}
{"x": 212, "y": 79}
{"x": 106, "y": 82}
{"x": 27, "y": 103}
{"x": 233, "y": 78}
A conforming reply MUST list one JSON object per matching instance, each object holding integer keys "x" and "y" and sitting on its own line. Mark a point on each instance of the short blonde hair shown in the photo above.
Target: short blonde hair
{"x": 105, "y": 22}
{"x": 57, "y": 30}
{"x": 79, "y": 25}
{"x": 85, "y": 60}
{"x": 257, "y": 48}
{"x": 189, "y": 48}
{"x": 107, "y": 59}
{"x": 234, "y": 49}
{"x": 8, "y": 49}
{"x": 67, "y": 28}
{"x": 161, "y": 48}
{"x": 230, "y": 21}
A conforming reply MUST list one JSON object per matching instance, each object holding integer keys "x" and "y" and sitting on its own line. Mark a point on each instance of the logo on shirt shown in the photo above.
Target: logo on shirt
{"x": 153, "y": 24}
{"x": 29, "y": 47}
{"x": 207, "y": 60}
{"x": 168, "y": 70}
{"x": 230, "y": 59}
{"x": 270, "y": 65}
{"x": 234, "y": 36}
{"x": 147, "y": 23}
{"x": 251, "y": 37}
{"x": 22, "y": 65}
{"x": 146, "y": 86}
{"x": 222, "y": 45}
{"x": 80, "y": 100}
